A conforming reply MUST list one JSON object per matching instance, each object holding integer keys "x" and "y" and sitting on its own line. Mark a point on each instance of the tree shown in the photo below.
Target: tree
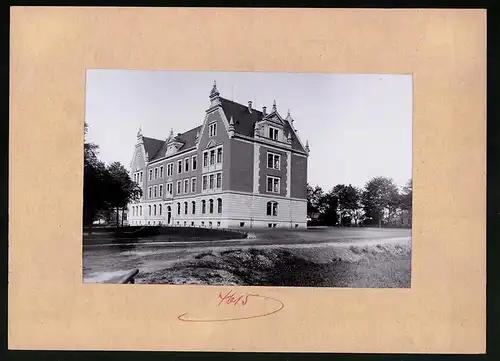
{"x": 327, "y": 207}
{"x": 380, "y": 198}
{"x": 313, "y": 198}
{"x": 348, "y": 201}
{"x": 406, "y": 199}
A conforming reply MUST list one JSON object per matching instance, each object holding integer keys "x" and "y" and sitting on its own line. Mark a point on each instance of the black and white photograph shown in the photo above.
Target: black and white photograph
{"x": 247, "y": 178}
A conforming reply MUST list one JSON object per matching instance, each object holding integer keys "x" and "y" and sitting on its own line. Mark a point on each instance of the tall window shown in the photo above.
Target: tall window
{"x": 140, "y": 177}
{"x": 205, "y": 182}
{"x": 161, "y": 172}
{"x": 211, "y": 181}
{"x": 205, "y": 159}
{"x": 140, "y": 210}
{"x": 150, "y": 174}
{"x": 203, "y": 206}
{"x": 135, "y": 177}
{"x": 273, "y": 161}
{"x": 170, "y": 169}
{"x": 212, "y": 156}
{"x": 212, "y": 130}
{"x": 273, "y": 133}
{"x": 211, "y": 206}
{"x": 160, "y": 208}
{"x": 193, "y": 185}
{"x": 219, "y": 205}
{"x": 155, "y": 189}
{"x": 169, "y": 188}
{"x": 219, "y": 180}
{"x": 185, "y": 207}
{"x": 149, "y": 192}
{"x": 186, "y": 165}
{"x": 273, "y": 184}
{"x": 179, "y": 187}
{"x": 219, "y": 155}
{"x": 156, "y": 173}
{"x": 193, "y": 161}
{"x": 179, "y": 167}
{"x": 193, "y": 207}
{"x": 186, "y": 186}
{"x": 178, "y": 208}
{"x": 272, "y": 208}
{"x": 149, "y": 209}
{"x": 154, "y": 209}
{"x": 161, "y": 190}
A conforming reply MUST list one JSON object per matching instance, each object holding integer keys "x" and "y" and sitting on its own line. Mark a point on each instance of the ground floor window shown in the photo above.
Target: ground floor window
{"x": 219, "y": 205}
{"x": 272, "y": 208}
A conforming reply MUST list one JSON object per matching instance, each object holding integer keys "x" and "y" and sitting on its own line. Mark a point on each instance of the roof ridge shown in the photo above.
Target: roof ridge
{"x": 242, "y": 105}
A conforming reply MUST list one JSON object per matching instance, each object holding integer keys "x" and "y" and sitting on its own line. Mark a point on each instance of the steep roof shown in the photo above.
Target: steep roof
{"x": 156, "y": 148}
{"x": 152, "y": 145}
{"x": 244, "y": 121}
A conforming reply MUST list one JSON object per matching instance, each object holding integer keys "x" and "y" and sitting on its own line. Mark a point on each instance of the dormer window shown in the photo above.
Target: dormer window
{"x": 273, "y": 133}
{"x": 212, "y": 130}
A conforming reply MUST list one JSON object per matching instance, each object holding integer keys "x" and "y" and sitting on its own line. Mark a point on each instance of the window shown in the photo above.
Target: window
{"x": 170, "y": 169}
{"x": 154, "y": 208}
{"x": 186, "y": 165}
{"x": 273, "y": 184}
{"x": 178, "y": 187}
{"x": 179, "y": 166}
{"x": 242, "y": 224}
{"x": 156, "y": 173}
{"x": 178, "y": 208}
{"x": 272, "y": 208}
{"x": 185, "y": 207}
{"x": 210, "y": 224}
{"x": 149, "y": 209}
{"x": 193, "y": 162}
{"x": 160, "y": 208}
{"x": 185, "y": 223}
{"x": 140, "y": 210}
{"x": 203, "y": 206}
{"x": 192, "y": 223}
{"x": 149, "y": 192}
{"x": 219, "y": 205}
{"x": 269, "y": 225}
{"x": 186, "y": 185}
{"x": 219, "y": 180}
{"x": 150, "y": 174}
{"x": 212, "y": 130}
{"x": 193, "y": 207}
{"x": 219, "y": 155}
{"x": 211, "y": 181}
{"x": 202, "y": 223}
{"x": 135, "y": 177}
{"x": 273, "y": 161}
{"x": 218, "y": 224}
{"x": 154, "y": 192}
{"x": 205, "y": 159}
{"x": 212, "y": 156}
{"x": 161, "y": 190}
{"x": 169, "y": 188}
{"x": 211, "y": 206}
{"x": 193, "y": 185}
{"x": 140, "y": 177}
{"x": 161, "y": 172}
{"x": 205, "y": 182}
{"x": 273, "y": 133}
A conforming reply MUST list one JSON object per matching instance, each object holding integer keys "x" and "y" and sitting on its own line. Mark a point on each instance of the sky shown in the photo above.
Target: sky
{"x": 359, "y": 126}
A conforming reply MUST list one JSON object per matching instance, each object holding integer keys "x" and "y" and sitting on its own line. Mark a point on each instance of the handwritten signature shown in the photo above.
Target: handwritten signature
{"x": 234, "y": 299}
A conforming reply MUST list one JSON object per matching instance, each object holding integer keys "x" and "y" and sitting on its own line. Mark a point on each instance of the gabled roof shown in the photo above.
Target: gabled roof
{"x": 157, "y": 148}
{"x": 244, "y": 121}
{"x": 152, "y": 145}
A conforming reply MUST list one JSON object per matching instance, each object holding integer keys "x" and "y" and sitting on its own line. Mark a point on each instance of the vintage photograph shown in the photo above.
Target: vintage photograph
{"x": 247, "y": 178}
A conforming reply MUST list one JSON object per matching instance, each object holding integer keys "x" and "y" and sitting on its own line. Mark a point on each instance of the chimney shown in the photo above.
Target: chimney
{"x": 264, "y": 110}
{"x": 249, "y": 106}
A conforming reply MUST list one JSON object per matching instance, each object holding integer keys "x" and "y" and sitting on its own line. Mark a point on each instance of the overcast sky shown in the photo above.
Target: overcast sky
{"x": 358, "y": 125}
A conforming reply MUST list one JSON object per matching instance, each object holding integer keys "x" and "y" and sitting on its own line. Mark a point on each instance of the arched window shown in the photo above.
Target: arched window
{"x": 160, "y": 209}
{"x": 203, "y": 206}
{"x": 272, "y": 208}
{"x": 154, "y": 209}
{"x": 211, "y": 206}
{"x": 219, "y": 205}
{"x": 185, "y": 207}
{"x": 149, "y": 209}
{"x": 169, "y": 209}
{"x": 178, "y": 208}
{"x": 140, "y": 208}
{"x": 193, "y": 207}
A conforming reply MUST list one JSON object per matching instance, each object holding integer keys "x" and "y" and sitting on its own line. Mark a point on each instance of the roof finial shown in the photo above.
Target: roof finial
{"x": 139, "y": 132}
{"x": 307, "y": 146}
{"x": 288, "y": 113}
{"x": 214, "y": 91}
{"x": 231, "y": 122}
{"x": 274, "y": 105}
{"x": 171, "y": 132}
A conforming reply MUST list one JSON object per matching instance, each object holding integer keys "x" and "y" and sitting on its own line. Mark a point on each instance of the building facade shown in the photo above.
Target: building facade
{"x": 241, "y": 168}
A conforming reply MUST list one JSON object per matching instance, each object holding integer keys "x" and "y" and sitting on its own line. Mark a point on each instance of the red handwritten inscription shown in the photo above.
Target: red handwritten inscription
{"x": 231, "y": 298}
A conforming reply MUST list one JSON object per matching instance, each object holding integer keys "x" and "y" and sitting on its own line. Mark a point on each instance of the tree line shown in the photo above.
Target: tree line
{"x": 107, "y": 189}
{"x": 379, "y": 203}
